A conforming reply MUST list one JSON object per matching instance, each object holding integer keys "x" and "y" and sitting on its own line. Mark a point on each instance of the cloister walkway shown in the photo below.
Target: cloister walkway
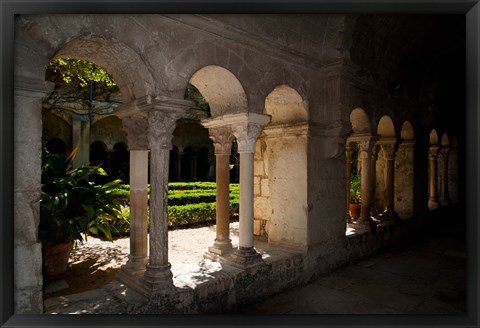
{"x": 426, "y": 274}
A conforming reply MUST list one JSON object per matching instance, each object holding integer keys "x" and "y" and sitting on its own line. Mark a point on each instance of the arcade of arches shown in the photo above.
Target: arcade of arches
{"x": 300, "y": 104}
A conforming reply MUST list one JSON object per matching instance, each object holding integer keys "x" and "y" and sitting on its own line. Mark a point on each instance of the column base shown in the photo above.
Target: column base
{"x": 363, "y": 224}
{"x": 374, "y": 213}
{"x": 433, "y": 204}
{"x": 243, "y": 258}
{"x": 389, "y": 216}
{"x": 157, "y": 280}
{"x": 219, "y": 250}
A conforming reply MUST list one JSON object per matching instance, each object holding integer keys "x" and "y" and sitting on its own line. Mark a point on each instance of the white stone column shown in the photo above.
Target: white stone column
{"x": 432, "y": 177}
{"x": 222, "y": 140}
{"x": 136, "y": 128}
{"x": 389, "y": 213}
{"x": 163, "y": 113}
{"x": 81, "y": 139}
{"x": 246, "y": 128}
{"x": 444, "y": 197}
{"x": 26, "y": 175}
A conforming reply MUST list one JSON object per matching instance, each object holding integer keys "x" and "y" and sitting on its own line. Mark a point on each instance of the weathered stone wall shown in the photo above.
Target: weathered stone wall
{"x": 109, "y": 131}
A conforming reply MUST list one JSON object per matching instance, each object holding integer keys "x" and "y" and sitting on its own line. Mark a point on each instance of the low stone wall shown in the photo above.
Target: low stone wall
{"x": 213, "y": 288}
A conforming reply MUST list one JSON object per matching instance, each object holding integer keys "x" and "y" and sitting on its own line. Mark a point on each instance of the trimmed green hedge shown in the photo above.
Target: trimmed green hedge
{"x": 188, "y": 203}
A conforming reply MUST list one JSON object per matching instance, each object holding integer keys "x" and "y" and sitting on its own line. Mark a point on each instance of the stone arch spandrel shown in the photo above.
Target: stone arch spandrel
{"x": 360, "y": 122}
{"x": 385, "y": 128}
{"x": 109, "y": 129}
{"x": 285, "y": 105}
{"x": 221, "y": 88}
{"x": 123, "y": 63}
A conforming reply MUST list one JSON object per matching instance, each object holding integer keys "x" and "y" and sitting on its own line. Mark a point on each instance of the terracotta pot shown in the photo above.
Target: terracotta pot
{"x": 55, "y": 260}
{"x": 354, "y": 211}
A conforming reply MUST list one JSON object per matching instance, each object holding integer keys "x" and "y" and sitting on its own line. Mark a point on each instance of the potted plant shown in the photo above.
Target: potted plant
{"x": 72, "y": 206}
{"x": 355, "y": 196}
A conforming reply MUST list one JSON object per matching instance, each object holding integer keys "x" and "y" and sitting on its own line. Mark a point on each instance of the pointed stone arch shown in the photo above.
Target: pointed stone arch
{"x": 222, "y": 90}
{"x": 433, "y": 137}
{"x": 386, "y": 128}
{"x": 407, "y": 132}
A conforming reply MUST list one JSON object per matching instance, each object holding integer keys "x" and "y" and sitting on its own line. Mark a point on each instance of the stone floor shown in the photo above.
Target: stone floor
{"x": 425, "y": 275}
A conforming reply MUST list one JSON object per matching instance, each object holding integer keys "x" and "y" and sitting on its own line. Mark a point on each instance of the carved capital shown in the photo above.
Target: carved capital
{"x": 433, "y": 152}
{"x": 222, "y": 139}
{"x": 136, "y": 128}
{"x": 160, "y": 129}
{"x": 388, "y": 151}
{"x": 366, "y": 148}
{"x": 444, "y": 152}
{"x": 247, "y": 134}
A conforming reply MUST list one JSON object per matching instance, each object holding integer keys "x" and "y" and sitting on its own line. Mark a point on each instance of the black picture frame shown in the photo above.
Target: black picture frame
{"x": 8, "y": 10}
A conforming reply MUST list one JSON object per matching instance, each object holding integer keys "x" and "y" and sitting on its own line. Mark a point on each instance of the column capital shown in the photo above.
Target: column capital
{"x": 246, "y": 127}
{"x": 136, "y": 128}
{"x": 444, "y": 151}
{"x": 366, "y": 147}
{"x": 222, "y": 139}
{"x": 163, "y": 113}
{"x": 389, "y": 151}
{"x": 433, "y": 151}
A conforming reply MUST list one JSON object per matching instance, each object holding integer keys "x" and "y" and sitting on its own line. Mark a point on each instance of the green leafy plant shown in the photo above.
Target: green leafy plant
{"x": 355, "y": 189}
{"x": 72, "y": 206}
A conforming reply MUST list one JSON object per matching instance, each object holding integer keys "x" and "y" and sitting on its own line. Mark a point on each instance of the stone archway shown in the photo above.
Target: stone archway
{"x": 281, "y": 165}
{"x": 362, "y": 141}
{"x": 385, "y": 169}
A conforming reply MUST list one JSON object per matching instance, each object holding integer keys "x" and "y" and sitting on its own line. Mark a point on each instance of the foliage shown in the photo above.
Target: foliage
{"x": 71, "y": 205}
{"x": 79, "y": 71}
{"x": 355, "y": 189}
{"x": 186, "y": 205}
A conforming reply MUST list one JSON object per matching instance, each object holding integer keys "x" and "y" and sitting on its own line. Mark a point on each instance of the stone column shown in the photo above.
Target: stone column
{"x": 404, "y": 208}
{"x": 348, "y": 162}
{"x": 136, "y": 128}
{"x": 444, "y": 197}
{"x": 373, "y": 210}
{"x": 389, "y": 191}
{"x": 222, "y": 139}
{"x": 81, "y": 139}
{"x": 163, "y": 113}
{"x": 26, "y": 175}
{"x": 194, "y": 167}
{"x": 179, "y": 165}
{"x": 365, "y": 220}
{"x": 247, "y": 128}
{"x": 432, "y": 177}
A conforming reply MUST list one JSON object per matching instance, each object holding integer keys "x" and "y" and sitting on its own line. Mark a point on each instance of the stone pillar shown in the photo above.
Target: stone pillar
{"x": 163, "y": 113}
{"x": 222, "y": 139}
{"x": 444, "y": 197}
{"x": 136, "y": 128}
{"x": 194, "y": 167}
{"x": 27, "y": 145}
{"x": 366, "y": 148}
{"x": 246, "y": 128}
{"x": 432, "y": 177}
{"x": 389, "y": 191}
{"x": 81, "y": 139}
{"x": 404, "y": 205}
{"x": 348, "y": 162}
{"x": 179, "y": 166}
{"x": 373, "y": 163}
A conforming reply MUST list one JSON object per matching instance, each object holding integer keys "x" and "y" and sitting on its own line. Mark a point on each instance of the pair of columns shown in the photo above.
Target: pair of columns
{"x": 148, "y": 269}
{"x": 246, "y": 127}
{"x": 369, "y": 147}
{"x": 433, "y": 153}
